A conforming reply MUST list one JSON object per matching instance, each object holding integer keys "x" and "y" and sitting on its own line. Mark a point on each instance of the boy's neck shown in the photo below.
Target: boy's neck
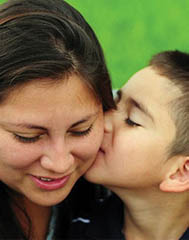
{"x": 154, "y": 215}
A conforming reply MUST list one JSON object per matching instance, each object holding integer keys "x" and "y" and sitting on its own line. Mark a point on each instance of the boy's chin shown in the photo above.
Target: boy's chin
{"x": 95, "y": 172}
{"x": 90, "y": 175}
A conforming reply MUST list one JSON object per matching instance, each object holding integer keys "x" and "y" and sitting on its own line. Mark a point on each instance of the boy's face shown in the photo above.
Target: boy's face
{"x": 137, "y": 134}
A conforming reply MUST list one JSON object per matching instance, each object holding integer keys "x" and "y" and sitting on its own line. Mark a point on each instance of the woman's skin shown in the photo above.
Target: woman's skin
{"x": 49, "y": 136}
{"x": 133, "y": 160}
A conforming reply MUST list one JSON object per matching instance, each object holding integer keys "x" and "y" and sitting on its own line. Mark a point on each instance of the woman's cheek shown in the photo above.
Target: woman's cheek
{"x": 89, "y": 147}
{"x": 18, "y": 157}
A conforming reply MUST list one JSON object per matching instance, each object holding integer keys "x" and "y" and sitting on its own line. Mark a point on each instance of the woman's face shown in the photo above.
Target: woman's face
{"x": 133, "y": 152}
{"x": 49, "y": 137}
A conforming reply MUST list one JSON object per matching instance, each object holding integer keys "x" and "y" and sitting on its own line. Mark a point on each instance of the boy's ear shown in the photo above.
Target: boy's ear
{"x": 177, "y": 179}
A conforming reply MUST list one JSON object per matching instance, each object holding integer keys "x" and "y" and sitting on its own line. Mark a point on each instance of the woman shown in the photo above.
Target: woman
{"x": 54, "y": 87}
{"x": 144, "y": 157}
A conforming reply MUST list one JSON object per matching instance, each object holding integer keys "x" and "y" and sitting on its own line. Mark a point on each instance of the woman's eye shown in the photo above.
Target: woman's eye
{"x": 131, "y": 123}
{"x": 27, "y": 139}
{"x": 82, "y": 133}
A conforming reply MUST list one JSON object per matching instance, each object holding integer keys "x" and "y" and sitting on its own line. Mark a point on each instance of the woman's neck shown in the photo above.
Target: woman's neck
{"x": 154, "y": 215}
{"x": 40, "y": 217}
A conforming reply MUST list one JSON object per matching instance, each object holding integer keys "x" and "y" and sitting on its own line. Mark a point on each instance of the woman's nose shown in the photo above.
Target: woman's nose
{"x": 58, "y": 159}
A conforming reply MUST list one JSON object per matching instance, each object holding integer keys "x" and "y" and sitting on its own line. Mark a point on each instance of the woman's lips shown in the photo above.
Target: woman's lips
{"x": 47, "y": 183}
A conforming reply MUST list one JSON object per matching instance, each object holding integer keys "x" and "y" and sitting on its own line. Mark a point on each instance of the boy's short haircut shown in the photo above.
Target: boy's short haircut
{"x": 175, "y": 66}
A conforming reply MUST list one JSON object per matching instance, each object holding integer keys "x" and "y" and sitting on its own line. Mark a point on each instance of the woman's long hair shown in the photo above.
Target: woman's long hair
{"x": 47, "y": 39}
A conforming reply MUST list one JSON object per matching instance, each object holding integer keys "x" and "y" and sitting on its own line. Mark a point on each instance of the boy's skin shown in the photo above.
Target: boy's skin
{"x": 135, "y": 160}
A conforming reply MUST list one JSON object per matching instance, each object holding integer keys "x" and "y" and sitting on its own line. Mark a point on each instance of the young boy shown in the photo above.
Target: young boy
{"x": 144, "y": 157}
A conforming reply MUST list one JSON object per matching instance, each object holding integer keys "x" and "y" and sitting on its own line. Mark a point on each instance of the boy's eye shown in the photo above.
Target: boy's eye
{"x": 82, "y": 133}
{"x": 27, "y": 139}
{"x": 131, "y": 123}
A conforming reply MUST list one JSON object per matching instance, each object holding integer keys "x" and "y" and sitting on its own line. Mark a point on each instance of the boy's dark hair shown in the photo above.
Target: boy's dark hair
{"x": 175, "y": 66}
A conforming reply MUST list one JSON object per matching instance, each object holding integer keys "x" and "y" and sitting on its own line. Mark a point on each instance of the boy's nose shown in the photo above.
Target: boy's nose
{"x": 108, "y": 121}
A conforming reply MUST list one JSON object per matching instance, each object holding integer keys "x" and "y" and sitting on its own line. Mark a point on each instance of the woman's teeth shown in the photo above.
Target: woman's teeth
{"x": 45, "y": 179}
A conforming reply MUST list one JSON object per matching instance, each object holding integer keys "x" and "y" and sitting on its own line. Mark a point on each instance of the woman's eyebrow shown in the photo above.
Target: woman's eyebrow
{"x": 32, "y": 126}
{"x": 87, "y": 118}
{"x": 25, "y": 125}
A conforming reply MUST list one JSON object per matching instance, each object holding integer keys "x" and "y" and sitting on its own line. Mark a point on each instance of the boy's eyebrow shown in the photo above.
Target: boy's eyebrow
{"x": 119, "y": 94}
{"x": 142, "y": 108}
{"x": 138, "y": 105}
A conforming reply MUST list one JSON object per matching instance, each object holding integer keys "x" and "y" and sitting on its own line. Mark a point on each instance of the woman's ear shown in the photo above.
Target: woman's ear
{"x": 177, "y": 179}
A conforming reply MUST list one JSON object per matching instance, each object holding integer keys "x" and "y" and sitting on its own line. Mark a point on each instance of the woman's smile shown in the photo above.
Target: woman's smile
{"x": 47, "y": 183}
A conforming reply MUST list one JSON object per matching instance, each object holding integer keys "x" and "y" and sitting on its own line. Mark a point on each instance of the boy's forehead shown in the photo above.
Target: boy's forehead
{"x": 150, "y": 85}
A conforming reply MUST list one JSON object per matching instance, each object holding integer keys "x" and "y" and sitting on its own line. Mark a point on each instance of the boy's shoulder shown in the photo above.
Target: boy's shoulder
{"x": 185, "y": 235}
{"x": 103, "y": 221}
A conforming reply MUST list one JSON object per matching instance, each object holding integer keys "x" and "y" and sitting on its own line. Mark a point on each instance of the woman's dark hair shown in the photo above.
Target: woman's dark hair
{"x": 47, "y": 39}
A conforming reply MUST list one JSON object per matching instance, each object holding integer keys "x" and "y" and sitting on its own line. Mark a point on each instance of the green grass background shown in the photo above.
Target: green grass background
{"x": 131, "y": 31}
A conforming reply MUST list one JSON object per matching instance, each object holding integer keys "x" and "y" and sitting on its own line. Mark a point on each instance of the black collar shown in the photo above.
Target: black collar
{"x": 107, "y": 221}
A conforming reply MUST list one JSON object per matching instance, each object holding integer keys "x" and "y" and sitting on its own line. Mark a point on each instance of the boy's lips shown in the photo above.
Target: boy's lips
{"x": 101, "y": 150}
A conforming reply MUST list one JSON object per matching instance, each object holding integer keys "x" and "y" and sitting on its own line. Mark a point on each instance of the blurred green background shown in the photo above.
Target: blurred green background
{"x": 131, "y": 31}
